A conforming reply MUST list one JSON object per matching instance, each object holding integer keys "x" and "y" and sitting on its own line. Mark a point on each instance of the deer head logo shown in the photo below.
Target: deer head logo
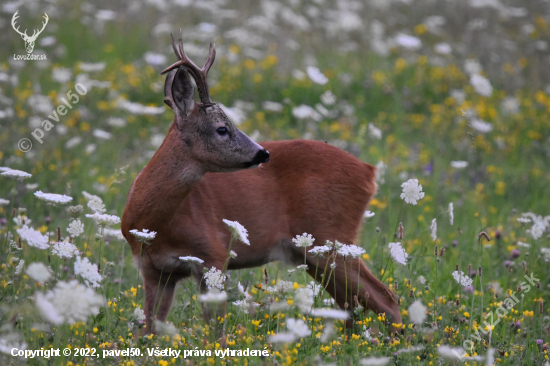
{"x": 29, "y": 40}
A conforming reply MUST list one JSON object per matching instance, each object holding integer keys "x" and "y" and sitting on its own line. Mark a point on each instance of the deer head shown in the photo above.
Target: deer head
{"x": 213, "y": 140}
{"x": 29, "y": 40}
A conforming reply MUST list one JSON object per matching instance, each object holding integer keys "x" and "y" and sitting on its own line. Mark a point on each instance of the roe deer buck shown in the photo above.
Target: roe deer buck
{"x": 201, "y": 175}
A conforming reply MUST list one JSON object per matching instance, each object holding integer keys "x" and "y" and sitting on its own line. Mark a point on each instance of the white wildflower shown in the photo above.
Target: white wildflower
{"x": 510, "y": 105}
{"x": 285, "y": 337}
{"x": 165, "y": 328}
{"x": 481, "y": 126}
{"x": 459, "y": 164}
{"x": 38, "y": 272}
{"x": 19, "y": 267}
{"x": 3, "y": 202}
{"x": 304, "y": 299}
{"x": 411, "y": 349}
{"x": 451, "y": 213}
{"x": 443, "y": 48}
{"x": 21, "y": 220}
{"x": 76, "y": 228}
{"x": 524, "y": 220}
{"x": 233, "y": 254}
{"x": 330, "y": 313}
{"x": 327, "y": 331}
{"x": 214, "y": 279}
{"x": 303, "y": 241}
{"x": 244, "y": 305}
{"x": 52, "y": 198}
{"x": 316, "y": 75}
{"x": 374, "y": 361}
{"x": 422, "y": 279}
{"x": 536, "y": 231}
{"x": 96, "y": 205}
{"x": 272, "y": 106}
{"x": 368, "y": 214}
{"x": 104, "y": 219}
{"x": 139, "y": 314}
{"x": 522, "y": 244}
{"x": 433, "y": 229}
{"x": 481, "y": 85}
{"x": 417, "y": 312}
{"x": 16, "y": 174}
{"x": 366, "y": 333}
{"x": 328, "y": 98}
{"x": 298, "y": 327}
{"x": 408, "y": 42}
{"x": 33, "y": 237}
{"x": 381, "y": 171}
{"x": 65, "y": 249}
{"x": 237, "y": 231}
{"x": 304, "y": 111}
{"x": 281, "y": 287}
{"x": 315, "y": 288}
{"x": 412, "y": 191}
{"x": 213, "y": 296}
{"x": 319, "y": 250}
{"x": 68, "y": 302}
{"x": 374, "y": 131}
{"x": 462, "y": 279}
{"x": 145, "y": 236}
{"x": 10, "y": 342}
{"x": 88, "y": 271}
{"x": 398, "y": 253}
{"x": 545, "y": 253}
{"x": 191, "y": 259}
{"x": 451, "y": 353}
{"x": 242, "y": 291}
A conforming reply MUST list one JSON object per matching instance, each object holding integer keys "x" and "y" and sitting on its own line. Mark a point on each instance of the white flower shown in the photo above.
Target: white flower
{"x": 285, "y": 337}
{"x": 368, "y": 214}
{"x": 422, "y": 279}
{"x": 319, "y": 250}
{"x": 244, "y": 305}
{"x": 472, "y": 66}
{"x": 3, "y": 202}
{"x": 366, "y": 333}
{"x": 12, "y": 341}
{"x": 88, "y": 271}
{"x": 65, "y": 249}
{"x": 298, "y": 327}
{"x": 522, "y": 244}
{"x": 412, "y": 191}
{"x": 68, "y": 302}
{"x": 154, "y": 59}
{"x": 408, "y": 42}
{"x": 451, "y": 213}
{"x": 545, "y": 253}
{"x": 433, "y": 229}
{"x": 417, "y": 312}
{"x": 524, "y": 220}
{"x": 380, "y": 171}
{"x": 327, "y": 330}
{"x": 458, "y": 95}
{"x": 191, "y": 259}
{"x": 459, "y": 164}
{"x": 536, "y": 231}
{"x": 113, "y": 233}
{"x": 272, "y": 106}
{"x": 481, "y": 126}
{"x": 76, "y": 228}
{"x": 304, "y": 111}
{"x": 96, "y": 205}
{"x": 213, "y": 296}
{"x": 215, "y": 279}
{"x": 374, "y": 361}
{"x": 398, "y": 253}
{"x": 16, "y": 174}
{"x": 104, "y": 219}
{"x": 62, "y": 75}
{"x": 242, "y": 291}
{"x": 304, "y": 299}
{"x": 303, "y": 241}
{"x": 237, "y": 231}
{"x": 33, "y": 237}
{"x": 330, "y": 313}
{"x": 462, "y": 279}
{"x": 19, "y": 220}
{"x": 164, "y": 328}
{"x": 315, "y": 288}
{"x": 510, "y": 105}
{"x": 19, "y": 267}
{"x": 328, "y": 98}
{"x": 443, "y": 48}
{"x": 451, "y": 353}
{"x": 144, "y": 236}
{"x": 481, "y": 85}
{"x": 281, "y": 287}
{"x": 350, "y": 251}
{"x": 38, "y": 272}
{"x": 139, "y": 314}
{"x": 316, "y": 75}
{"x": 374, "y": 131}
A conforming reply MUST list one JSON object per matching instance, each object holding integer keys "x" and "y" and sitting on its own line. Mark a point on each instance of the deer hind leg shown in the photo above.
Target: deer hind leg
{"x": 351, "y": 278}
{"x": 159, "y": 294}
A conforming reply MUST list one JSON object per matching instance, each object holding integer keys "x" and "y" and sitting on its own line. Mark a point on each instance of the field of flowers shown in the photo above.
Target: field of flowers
{"x": 450, "y": 101}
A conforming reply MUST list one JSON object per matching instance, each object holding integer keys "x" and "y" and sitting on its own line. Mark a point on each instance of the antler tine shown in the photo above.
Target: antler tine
{"x": 211, "y": 58}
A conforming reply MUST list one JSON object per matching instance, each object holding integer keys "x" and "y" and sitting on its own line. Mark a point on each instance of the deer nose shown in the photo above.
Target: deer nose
{"x": 262, "y": 156}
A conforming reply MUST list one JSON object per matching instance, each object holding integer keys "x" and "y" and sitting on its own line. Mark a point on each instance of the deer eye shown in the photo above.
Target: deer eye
{"x": 222, "y": 131}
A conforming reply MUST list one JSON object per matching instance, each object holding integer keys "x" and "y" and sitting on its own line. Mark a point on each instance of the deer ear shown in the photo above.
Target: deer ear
{"x": 179, "y": 91}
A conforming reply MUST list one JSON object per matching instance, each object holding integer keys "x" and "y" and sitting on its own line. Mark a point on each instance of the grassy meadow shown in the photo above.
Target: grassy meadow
{"x": 415, "y": 99}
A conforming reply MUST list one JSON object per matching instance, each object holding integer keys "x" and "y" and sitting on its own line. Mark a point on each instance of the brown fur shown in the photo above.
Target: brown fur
{"x": 307, "y": 186}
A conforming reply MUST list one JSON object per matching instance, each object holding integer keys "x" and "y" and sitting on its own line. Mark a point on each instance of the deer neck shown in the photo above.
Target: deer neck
{"x": 163, "y": 184}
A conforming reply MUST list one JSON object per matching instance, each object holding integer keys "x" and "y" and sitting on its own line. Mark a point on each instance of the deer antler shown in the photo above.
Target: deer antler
{"x": 15, "y": 16}
{"x": 198, "y": 74}
{"x": 35, "y": 34}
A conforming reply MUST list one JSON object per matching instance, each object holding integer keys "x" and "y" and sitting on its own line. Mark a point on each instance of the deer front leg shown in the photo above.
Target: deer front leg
{"x": 159, "y": 294}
